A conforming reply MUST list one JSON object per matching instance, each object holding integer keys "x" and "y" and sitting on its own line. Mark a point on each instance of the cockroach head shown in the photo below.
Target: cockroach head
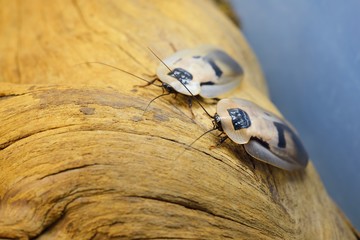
{"x": 217, "y": 122}
{"x": 168, "y": 88}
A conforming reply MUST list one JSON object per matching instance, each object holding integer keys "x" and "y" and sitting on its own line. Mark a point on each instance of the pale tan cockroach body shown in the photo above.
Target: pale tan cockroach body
{"x": 205, "y": 71}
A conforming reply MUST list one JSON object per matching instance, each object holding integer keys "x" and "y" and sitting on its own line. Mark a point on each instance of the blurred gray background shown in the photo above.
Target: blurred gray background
{"x": 310, "y": 54}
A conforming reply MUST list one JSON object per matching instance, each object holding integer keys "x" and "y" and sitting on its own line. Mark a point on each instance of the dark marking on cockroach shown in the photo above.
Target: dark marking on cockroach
{"x": 196, "y": 57}
{"x": 182, "y": 75}
{"x": 262, "y": 142}
{"x": 223, "y": 57}
{"x": 281, "y": 129}
{"x": 207, "y": 83}
{"x": 239, "y": 118}
{"x": 300, "y": 149}
{"x": 216, "y": 68}
{"x": 87, "y": 110}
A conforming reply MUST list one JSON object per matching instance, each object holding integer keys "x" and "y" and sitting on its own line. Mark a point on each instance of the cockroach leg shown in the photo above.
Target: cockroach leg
{"x": 222, "y": 140}
{"x": 189, "y": 101}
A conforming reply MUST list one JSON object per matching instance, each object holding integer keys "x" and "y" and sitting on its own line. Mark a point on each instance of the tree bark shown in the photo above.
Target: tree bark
{"x": 80, "y": 159}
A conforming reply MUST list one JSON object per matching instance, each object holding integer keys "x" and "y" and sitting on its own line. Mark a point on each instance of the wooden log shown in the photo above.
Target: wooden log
{"x": 80, "y": 159}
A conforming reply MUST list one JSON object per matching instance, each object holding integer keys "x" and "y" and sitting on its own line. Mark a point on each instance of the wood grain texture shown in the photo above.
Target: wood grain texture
{"x": 79, "y": 160}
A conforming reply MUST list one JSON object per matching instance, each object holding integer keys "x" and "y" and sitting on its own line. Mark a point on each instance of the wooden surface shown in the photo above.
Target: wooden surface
{"x": 78, "y": 159}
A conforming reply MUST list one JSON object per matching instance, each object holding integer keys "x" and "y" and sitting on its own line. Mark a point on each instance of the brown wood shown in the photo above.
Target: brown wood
{"x": 79, "y": 160}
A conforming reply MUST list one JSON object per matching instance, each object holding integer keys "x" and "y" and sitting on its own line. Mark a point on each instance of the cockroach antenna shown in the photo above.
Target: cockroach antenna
{"x": 124, "y": 71}
{"x": 143, "y": 79}
{"x": 162, "y": 95}
{"x": 197, "y": 101}
{"x": 181, "y": 83}
{"x": 160, "y": 59}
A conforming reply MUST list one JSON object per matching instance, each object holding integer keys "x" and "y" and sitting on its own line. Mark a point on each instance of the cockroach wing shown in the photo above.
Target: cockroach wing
{"x": 225, "y": 63}
{"x": 215, "y": 90}
{"x": 228, "y": 73}
{"x": 279, "y": 145}
{"x": 270, "y": 138}
{"x": 291, "y": 158}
